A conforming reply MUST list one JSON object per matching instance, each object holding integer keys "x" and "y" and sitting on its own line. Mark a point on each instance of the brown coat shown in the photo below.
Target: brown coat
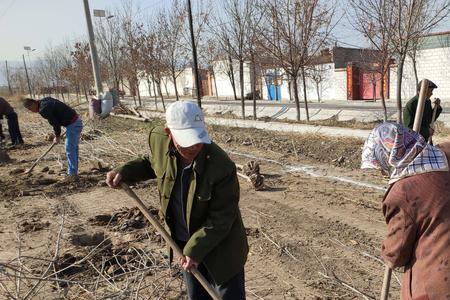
{"x": 417, "y": 211}
{"x": 5, "y": 107}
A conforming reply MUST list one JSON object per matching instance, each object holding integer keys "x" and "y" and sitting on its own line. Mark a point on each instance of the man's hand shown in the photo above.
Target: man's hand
{"x": 113, "y": 179}
{"x": 56, "y": 139}
{"x": 187, "y": 263}
{"x": 437, "y": 102}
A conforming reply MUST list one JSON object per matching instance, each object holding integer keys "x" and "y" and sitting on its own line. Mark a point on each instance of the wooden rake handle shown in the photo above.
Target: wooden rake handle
{"x": 433, "y": 119}
{"x": 177, "y": 251}
{"x": 386, "y": 283}
{"x": 42, "y": 156}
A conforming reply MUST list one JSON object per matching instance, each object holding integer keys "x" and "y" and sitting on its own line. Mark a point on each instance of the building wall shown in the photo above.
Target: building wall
{"x": 184, "y": 81}
{"x": 224, "y": 87}
{"x": 432, "y": 64}
{"x": 332, "y": 87}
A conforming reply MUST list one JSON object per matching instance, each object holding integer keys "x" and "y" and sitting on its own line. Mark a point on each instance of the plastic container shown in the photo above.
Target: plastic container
{"x": 94, "y": 108}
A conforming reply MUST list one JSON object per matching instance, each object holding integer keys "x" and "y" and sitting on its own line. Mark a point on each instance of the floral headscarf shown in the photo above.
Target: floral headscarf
{"x": 401, "y": 152}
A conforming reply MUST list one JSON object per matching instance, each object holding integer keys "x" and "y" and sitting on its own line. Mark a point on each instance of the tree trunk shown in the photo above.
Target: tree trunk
{"x": 215, "y": 86}
{"x": 138, "y": 92}
{"x": 414, "y": 61}
{"x": 399, "y": 88}
{"x": 154, "y": 91}
{"x": 318, "y": 91}
{"x": 161, "y": 94}
{"x": 304, "y": 93}
{"x": 241, "y": 82}
{"x": 290, "y": 88}
{"x": 149, "y": 86}
{"x": 253, "y": 82}
{"x": 85, "y": 93}
{"x": 174, "y": 78}
{"x": 233, "y": 82}
{"x": 123, "y": 89}
{"x": 297, "y": 100}
{"x": 383, "y": 100}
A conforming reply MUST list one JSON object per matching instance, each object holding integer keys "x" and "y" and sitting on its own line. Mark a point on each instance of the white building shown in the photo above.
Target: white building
{"x": 433, "y": 63}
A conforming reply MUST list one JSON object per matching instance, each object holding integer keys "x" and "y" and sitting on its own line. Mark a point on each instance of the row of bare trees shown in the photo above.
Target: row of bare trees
{"x": 396, "y": 28}
{"x": 279, "y": 36}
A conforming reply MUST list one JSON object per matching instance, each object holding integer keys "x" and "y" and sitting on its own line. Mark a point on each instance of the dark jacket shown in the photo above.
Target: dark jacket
{"x": 57, "y": 113}
{"x": 409, "y": 113}
{"x": 5, "y": 107}
{"x": 417, "y": 211}
{"x": 217, "y": 233}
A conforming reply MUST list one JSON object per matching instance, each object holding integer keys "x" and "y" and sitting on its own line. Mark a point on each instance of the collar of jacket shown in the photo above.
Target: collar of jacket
{"x": 199, "y": 161}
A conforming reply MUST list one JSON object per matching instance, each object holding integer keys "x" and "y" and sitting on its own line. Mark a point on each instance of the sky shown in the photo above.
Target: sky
{"x": 40, "y": 23}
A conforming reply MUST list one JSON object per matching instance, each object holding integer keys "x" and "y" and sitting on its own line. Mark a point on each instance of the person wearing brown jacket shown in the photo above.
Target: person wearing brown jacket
{"x": 13, "y": 122}
{"x": 416, "y": 208}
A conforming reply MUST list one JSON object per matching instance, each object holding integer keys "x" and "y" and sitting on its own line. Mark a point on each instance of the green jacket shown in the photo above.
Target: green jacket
{"x": 217, "y": 233}
{"x": 409, "y": 113}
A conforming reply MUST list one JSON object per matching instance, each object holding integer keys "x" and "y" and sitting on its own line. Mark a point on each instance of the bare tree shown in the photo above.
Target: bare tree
{"x": 237, "y": 25}
{"x": 174, "y": 53}
{"x": 109, "y": 39}
{"x": 376, "y": 20}
{"x": 318, "y": 74}
{"x": 413, "y": 19}
{"x": 298, "y": 29}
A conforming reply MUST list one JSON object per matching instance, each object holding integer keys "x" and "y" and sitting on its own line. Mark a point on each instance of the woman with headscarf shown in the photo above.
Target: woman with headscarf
{"x": 416, "y": 208}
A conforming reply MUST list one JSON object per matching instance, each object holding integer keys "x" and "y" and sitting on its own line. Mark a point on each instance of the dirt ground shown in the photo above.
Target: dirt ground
{"x": 314, "y": 231}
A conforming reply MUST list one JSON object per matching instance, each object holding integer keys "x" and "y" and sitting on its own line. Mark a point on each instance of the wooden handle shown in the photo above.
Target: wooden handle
{"x": 386, "y": 283}
{"x": 420, "y": 105}
{"x": 42, "y": 156}
{"x": 433, "y": 119}
{"x": 177, "y": 251}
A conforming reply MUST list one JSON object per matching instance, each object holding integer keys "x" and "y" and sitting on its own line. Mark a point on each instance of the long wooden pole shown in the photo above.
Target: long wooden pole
{"x": 416, "y": 127}
{"x": 42, "y": 156}
{"x": 177, "y": 251}
{"x": 433, "y": 119}
{"x": 420, "y": 105}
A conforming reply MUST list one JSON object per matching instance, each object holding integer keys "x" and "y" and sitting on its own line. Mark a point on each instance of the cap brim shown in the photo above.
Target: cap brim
{"x": 191, "y": 136}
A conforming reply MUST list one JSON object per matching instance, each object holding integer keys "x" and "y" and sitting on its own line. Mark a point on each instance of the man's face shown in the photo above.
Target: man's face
{"x": 429, "y": 93}
{"x": 187, "y": 153}
{"x": 33, "y": 107}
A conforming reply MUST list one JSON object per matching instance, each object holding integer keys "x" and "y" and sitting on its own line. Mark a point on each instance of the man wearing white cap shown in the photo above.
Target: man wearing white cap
{"x": 199, "y": 194}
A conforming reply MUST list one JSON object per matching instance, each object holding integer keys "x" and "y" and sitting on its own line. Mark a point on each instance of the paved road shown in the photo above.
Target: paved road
{"x": 333, "y": 105}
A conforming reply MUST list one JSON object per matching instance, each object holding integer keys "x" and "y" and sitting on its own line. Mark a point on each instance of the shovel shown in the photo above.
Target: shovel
{"x": 433, "y": 119}
{"x": 42, "y": 156}
{"x": 416, "y": 127}
{"x": 212, "y": 292}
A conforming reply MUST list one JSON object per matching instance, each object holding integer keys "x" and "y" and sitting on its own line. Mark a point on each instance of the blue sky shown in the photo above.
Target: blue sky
{"x": 40, "y": 23}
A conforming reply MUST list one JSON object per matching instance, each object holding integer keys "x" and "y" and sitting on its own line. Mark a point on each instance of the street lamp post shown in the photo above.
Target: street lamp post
{"x": 30, "y": 81}
{"x": 26, "y": 73}
{"x": 93, "y": 48}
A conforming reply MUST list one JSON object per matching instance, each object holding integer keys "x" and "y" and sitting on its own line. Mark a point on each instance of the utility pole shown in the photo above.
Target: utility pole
{"x": 28, "y": 49}
{"x": 194, "y": 56}
{"x": 94, "y": 57}
{"x": 7, "y": 77}
{"x": 26, "y": 73}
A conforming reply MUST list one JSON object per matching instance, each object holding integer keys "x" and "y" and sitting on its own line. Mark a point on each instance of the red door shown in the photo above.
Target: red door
{"x": 370, "y": 85}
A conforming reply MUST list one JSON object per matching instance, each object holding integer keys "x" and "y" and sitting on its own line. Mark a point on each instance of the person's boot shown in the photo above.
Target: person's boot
{"x": 72, "y": 178}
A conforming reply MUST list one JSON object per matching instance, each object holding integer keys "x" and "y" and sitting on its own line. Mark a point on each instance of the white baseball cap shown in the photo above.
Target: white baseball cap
{"x": 186, "y": 123}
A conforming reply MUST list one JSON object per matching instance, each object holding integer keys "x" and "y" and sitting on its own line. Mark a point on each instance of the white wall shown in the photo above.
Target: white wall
{"x": 332, "y": 87}
{"x": 433, "y": 64}
{"x": 224, "y": 87}
{"x": 184, "y": 80}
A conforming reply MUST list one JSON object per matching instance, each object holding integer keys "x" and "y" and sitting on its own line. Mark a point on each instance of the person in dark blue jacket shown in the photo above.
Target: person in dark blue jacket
{"x": 13, "y": 123}
{"x": 60, "y": 114}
